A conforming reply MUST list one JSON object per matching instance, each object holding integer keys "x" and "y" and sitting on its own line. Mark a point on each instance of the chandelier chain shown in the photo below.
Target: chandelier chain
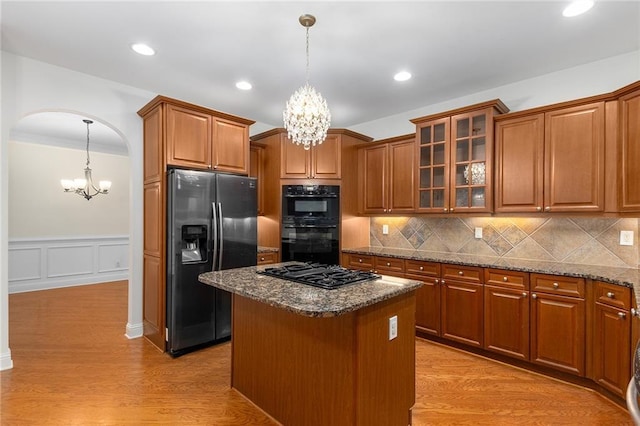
{"x": 307, "y": 72}
{"x": 88, "y": 160}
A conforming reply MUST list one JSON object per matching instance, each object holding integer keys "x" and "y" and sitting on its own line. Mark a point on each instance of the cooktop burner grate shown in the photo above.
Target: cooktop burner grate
{"x": 319, "y": 275}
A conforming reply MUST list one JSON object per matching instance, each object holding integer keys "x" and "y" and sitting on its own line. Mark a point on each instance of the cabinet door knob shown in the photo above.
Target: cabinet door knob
{"x": 442, "y": 282}
{"x": 534, "y": 296}
{"x": 546, "y": 209}
{"x": 436, "y": 281}
{"x": 422, "y": 268}
{"x": 524, "y": 294}
{"x": 360, "y": 260}
{"x": 460, "y": 273}
{"x": 634, "y": 312}
{"x": 539, "y": 209}
{"x": 446, "y": 210}
{"x": 622, "y": 315}
{"x": 388, "y": 264}
{"x": 389, "y": 210}
{"x": 556, "y": 285}
{"x": 611, "y": 295}
{"x": 262, "y": 258}
{"x": 505, "y": 279}
{"x": 451, "y": 209}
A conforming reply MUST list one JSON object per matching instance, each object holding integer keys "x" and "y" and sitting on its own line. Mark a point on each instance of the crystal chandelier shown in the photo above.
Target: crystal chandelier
{"x": 85, "y": 187}
{"x": 306, "y": 114}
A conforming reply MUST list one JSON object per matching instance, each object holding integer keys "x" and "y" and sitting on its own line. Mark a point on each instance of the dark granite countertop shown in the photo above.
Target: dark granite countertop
{"x": 264, "y": 249}
{"x": 628, "y": 277}
{"x": 303, "y": 299}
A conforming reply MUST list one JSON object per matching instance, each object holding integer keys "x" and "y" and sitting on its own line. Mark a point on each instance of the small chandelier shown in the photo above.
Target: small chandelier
{"x": 306, "y": 114}
{"x": 85, "y": 187}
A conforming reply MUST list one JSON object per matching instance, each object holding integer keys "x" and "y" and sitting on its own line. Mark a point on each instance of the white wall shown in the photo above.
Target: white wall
{"x": 38, "y": 207}
{"x": 587, "y": 80}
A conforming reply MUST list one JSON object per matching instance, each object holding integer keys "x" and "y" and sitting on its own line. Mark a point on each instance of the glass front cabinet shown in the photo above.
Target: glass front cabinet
{"x": 454, "y": 155}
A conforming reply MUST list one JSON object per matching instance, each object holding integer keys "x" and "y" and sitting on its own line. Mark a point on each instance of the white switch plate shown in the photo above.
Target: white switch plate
{"x": 626, "y": 238}
{"x": 393, "y": 327}
{"x": 385, "y": 229}
{"x": 478, "y": 232}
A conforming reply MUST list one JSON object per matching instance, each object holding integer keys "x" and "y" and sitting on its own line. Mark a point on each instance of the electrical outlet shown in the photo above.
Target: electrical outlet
{"x": 478, "y": 232}
{"x": 626, "y": 238}
{"x": 393, "y": 327}
{"x": 385, "y": 229}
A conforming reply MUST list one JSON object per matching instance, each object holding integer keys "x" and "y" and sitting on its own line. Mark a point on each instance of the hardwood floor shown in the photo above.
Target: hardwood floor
{"x": 73, "y": 365}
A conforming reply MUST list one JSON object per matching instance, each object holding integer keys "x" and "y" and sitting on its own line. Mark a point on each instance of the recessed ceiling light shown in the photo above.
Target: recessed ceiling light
{"x": 577, "y": 7}
{"x": 402, "y": 76}
{"x": 143, "y": 49}
{"x": 244, "y": 85}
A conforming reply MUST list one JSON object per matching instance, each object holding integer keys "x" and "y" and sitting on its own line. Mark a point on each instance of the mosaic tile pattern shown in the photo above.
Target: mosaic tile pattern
{"x": 582, "y": 240}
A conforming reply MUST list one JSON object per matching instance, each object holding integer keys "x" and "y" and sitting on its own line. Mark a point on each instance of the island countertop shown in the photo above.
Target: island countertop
{"x": 304, "y": 299}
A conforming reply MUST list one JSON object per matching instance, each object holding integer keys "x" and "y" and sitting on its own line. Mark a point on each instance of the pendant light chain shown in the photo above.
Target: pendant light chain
{"x": 307, "y": 56}
{"x": 88, "y": 160}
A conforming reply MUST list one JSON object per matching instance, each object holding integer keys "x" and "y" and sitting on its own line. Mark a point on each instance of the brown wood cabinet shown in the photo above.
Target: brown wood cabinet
{"x": 571, "y": 140}
{"x": 386, "y": 173}
{"x": 462, "y": 304}
{"x": 319, "y": 162}
{"x": 198, "y": 139}
{"x": 454, "y": 159}
{"x": 267, "y": 258}
{"x": 612, "y": 337}
{"x": 558, "y": 323}
{"x": 256, "y": 170}
{"x": 428, "y": 296}
{"x": 629, "y": 151}
{"x": 179, "y": 134}
{"x": 506, "y": 313}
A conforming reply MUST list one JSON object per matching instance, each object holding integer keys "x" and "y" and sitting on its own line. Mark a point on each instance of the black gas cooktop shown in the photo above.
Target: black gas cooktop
{"x": 319, "y": 275}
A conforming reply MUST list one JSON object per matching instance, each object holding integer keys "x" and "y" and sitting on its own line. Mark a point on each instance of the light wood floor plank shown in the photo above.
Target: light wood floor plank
{"x": 74, "y": 366}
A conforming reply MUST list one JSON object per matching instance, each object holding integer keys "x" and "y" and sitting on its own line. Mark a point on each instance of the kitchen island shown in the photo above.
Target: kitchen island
{"x": 309, "y": 356}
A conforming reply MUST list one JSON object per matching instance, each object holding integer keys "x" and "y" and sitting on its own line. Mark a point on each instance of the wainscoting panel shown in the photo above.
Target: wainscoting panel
{"x": 40, "y": 264}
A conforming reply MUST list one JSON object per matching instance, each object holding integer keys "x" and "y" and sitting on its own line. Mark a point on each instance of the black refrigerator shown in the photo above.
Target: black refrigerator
{"x": 211, "y": 225}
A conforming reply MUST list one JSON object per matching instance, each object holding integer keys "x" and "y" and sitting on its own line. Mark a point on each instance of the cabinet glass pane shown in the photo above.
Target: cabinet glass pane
{"x": 475, "y": 174}
{"x": 438, "y": 132}
{"x": 479, "y": 125}
{"x": 425, "y": 198}
{"x": 425, "y": 135}
{"x": 438, "y": 198}
{"x": 462, "y": 150}
{"x": 462, "y": 128}
{"x": 425, "y": 178}
{"x": 438, "y": 153}
{"x": 461, "y": 175}
{"x": 438, "y": 177}
{"x": 462, "y": 197}
{"x": 425, "y": 156}
{"x": 477, "y": 197}
{"x": 478, "y": 149}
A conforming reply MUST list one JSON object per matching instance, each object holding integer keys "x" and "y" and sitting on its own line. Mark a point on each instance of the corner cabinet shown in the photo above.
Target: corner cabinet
{"x": 189, "y": 136}
{"x": 454, "y": 159}
{"x": 551, "y": 160}
{"x": 199, "y": 139}
{"x": 386, "y": 176}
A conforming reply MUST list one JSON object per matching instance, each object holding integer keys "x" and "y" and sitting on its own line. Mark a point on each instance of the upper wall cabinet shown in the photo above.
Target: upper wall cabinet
{"x": 203, "y": 139}
{"x": 551, "y": 161}
{"x": 629, "y": 152}
{"x": 455, "y": 159}
{"x": 386, "y": 176}
{"x": 319, "y": 162}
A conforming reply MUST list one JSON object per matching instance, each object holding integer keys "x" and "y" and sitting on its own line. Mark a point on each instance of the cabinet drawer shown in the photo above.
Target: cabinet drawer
{"x": 553, "y": 284}
{"x": 507, "y": 279}
{"x": 358, "y": 261}
{"x": 462, "y": 273}
{"x": 390, "y": 265}
{"x": 266, "y": 258}
{"x": 427, "y": 269}
{"x": 613, "y": 295}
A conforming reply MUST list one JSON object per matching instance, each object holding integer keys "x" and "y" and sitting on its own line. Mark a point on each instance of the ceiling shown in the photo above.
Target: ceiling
{"x": 452, "y": 48}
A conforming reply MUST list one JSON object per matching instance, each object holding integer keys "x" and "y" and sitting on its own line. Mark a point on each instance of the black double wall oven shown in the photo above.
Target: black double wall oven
{"x": 310, "y": 223}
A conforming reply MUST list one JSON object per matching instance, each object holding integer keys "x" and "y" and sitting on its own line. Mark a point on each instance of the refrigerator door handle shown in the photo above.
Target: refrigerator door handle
{"x": 214, "y": 228}
{"x": 221, "y": 234}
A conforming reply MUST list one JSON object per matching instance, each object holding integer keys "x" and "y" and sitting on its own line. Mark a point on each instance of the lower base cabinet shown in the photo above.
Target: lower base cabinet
{"x": 462, "y": 312}
{"x": 506, "y": 321}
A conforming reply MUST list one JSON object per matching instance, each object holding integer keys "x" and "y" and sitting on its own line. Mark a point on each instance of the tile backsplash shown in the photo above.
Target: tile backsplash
{"x": 581, "y": 240}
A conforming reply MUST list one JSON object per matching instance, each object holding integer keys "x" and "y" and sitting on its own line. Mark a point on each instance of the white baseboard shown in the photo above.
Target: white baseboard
{"x": 134, "y": 331}
{"x": 46, "y": 263}
{"x": 5, "y": 360}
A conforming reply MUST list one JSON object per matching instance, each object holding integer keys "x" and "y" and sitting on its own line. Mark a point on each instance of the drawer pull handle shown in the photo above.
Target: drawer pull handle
{"x": 524, "y": 294}
{"x": 505, "y": 279}
{"x": 622, "y": 315}
{"x": 611, "y": 295}
{"x": 388, "y": 264}
{"x": 360, "y": 260}
{"x": 556, "y": 285}
{"x": 422, "y": 268}
{"x": 534, "y": 296}
{"x": 262, "y": 258}
{"x": 460, "y": 273}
